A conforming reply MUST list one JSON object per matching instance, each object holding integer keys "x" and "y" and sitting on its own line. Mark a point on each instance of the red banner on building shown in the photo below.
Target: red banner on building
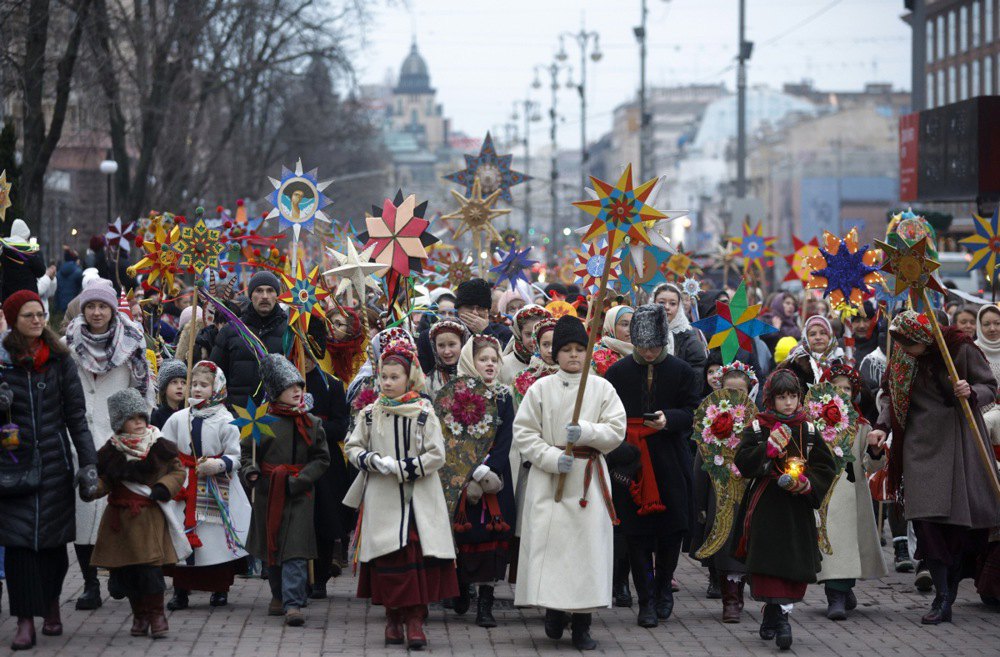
{"x": 909, "y": 141}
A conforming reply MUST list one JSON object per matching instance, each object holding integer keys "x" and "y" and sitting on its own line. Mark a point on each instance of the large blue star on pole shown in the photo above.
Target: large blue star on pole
{"x": 512, "y": 266}
{"x": 253, "y": 421}
{"x": 493, "y": 171}
{"x": 734, "y": 325}
{"x": 298, "y": 198}
{"x": 985, "y": 244}
{"x": 654, "y": 262}
{"x": 843, "y": 270}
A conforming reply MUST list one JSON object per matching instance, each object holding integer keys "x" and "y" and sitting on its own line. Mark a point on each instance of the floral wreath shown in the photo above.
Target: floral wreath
{"x": 835, "y": 418}
{"x": 719, "y": 423}
{"x": 737, "y": 366}
{"x": 467, "y": 409}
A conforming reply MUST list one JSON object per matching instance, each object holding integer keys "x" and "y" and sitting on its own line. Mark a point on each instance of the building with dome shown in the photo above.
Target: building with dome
{"x": 413, "y": 110}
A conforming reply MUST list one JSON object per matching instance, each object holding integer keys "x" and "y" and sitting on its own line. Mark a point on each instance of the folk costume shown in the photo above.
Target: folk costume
{"x": 565, "y": 559}
{"x": 776, "y": 532}
{"x": 442, "y": 372}
{"x": 609, "y": 349}
{"x": 517, "y": 356}
{"x": 809, "y": 363}
{"x": 403, "y": 540}
{"x": 484, "y": 527}
{"x": 283, "y": 477}
{"x": 952, "y": 507}
{"x": 138, "y": 473}
{"x": 212, "y": 505}
{"x": 655, "y": 515}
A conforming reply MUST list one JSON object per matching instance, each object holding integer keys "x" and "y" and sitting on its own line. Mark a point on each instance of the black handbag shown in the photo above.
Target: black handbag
{"x": 23, "y": 477}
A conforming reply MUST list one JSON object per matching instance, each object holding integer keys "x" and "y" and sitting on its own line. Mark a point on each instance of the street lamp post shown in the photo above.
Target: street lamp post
{"x": 745, "y": 50}
{"x": 553, "y": 71}
{"x": 583, "y": 39}
{"x": 530, "y": 110}
{"x": 109, "y": 168}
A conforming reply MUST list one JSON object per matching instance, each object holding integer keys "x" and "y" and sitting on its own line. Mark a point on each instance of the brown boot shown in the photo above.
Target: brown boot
{"x": 24, "y": 637}
{"x": 52, "y": 623}
{"x": 415, "y": 637}
{"x": 153, "y": 605}
{"x": 731, "y": 599}
{"x": 393, "y": 627}
{"x": 140, "y": 620}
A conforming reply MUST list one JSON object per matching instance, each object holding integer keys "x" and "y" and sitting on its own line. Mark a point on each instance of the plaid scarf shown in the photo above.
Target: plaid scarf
{"x": 121, "y": 344}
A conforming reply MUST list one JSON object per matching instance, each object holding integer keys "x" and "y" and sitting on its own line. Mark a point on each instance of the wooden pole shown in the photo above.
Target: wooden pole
{"x": 596, "y": 319}
{"x": 194, "y": 334}
{"x": 988, "y": 460}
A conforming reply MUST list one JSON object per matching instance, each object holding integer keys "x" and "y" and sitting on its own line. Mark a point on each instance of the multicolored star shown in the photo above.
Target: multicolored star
{"x": 985, "y": 244}
{"x": 512, "y": 266}
{"x": 253, "y": 421}
{"x": 491, "y": 170}
{"x": 304, "y": 296}
{"x": 620, "y": 211}
{"x": 590, "y": 266}
{"x": 734, "y": 325}
{"x": 912, "y": 268}
{"x": 799, "y": 260}
{"x": 843, "y": 270}
{"x": 298, "y": 199}
{"x": 398, "y": 235}
{"x": 199, "y": 247}
{"x": 753, "y": 247}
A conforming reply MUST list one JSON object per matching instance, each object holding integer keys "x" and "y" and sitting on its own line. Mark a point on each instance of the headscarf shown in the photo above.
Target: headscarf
{"x": 537, "y": 368}
{"x": 609, "y": 340}
{"x": 789, "y": 323}
{"x": 818, "y": 361}
{"x": 447, "y": 326}
{"x": 522, "y": 317}
{"x": 204, "y": 408}
{"x": 123, "y": 343}
{"x": 467, "y": 363}
{"x": 738, "y": 366}
{"x": 505, "y": 298}
{"x": 842, "y": 369}
{"x": 991, "y": 348}
{"x": 902, "y": 367}
{"x": 545, "y": 325}
{"x": 410, "y": 404}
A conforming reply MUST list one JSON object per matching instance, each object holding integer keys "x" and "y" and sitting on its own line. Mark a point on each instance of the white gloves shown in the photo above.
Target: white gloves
{"x": 384, "y": 464}
{"x": 565, "y": 463}
{"x": 491, "y": 483}
{"x": 210, "y": 467}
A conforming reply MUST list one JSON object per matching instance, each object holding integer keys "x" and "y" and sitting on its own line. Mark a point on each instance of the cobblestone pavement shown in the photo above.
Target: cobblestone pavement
{"x": 886, "y": 622}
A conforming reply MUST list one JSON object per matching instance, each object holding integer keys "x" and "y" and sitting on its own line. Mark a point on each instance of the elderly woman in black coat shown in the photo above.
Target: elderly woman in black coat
{"x": 41, "y": 392}
{"x": 660, "y": 393}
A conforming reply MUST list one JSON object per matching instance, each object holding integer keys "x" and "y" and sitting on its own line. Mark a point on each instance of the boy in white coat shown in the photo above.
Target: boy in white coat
{"x": 565, "y": 559}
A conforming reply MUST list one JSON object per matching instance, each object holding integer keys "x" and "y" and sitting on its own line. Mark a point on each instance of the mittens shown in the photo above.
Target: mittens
{"x": 159, "y": 493}
{"x": 209, "y": 467}
{"x": 491, "y": 483}
{"x": 777, "y": 441}
{"x": 564, "y": 464}
{"x": 473, "y": 492}
{"x": 573, "y": 433}
{"x": 796, "y": 485}
{"x": 86, "y": 478}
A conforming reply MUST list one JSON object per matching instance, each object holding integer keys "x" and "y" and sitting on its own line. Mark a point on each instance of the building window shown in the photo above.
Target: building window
{"x": 976, "y": 18}
{"x": 952, "y": 85}
{"x": 939, "y": 96}
{"x": 963, "y": 82}
{"x": 963, "y": 29}
{"x": 941, "y": 52}
{"x": 988, "y": 75}
{"x": 952, "y": 29}
{"x": 930, "y": 90}
{"x": 930, "y": 41}
{"x": 988, "y": 22}
{"x": 974, "y": 86}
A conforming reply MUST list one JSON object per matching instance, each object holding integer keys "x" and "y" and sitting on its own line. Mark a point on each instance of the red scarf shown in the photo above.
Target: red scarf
{"x": 298, "y": 415}
{"x": 277, "y": 489}
{"x": 645, "y": 492}
{"x": 189, "y": 495}
{"x": 769, "y": 418}
{"x": 37, "y": 357}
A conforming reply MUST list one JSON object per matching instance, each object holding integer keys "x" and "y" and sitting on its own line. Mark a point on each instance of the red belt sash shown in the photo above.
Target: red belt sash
{"x": 277, "y": 488}
{"x": 592, "y": 456}
{"x": 122, "y": 498}
{"x": 189, "y": 495}
{"x": 645, "y": 492}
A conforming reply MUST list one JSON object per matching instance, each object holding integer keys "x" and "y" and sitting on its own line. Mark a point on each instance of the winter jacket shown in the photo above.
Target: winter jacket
{"x": 20, "y": 272}
{"x": 690, "y": 349}
{"x": 238, "y": 361}
{"x": 48, "y": 408}
{"x": 69, "y": 279}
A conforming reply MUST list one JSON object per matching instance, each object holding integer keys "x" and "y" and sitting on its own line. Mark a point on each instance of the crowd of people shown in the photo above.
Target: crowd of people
{"x": 150, "y": 414}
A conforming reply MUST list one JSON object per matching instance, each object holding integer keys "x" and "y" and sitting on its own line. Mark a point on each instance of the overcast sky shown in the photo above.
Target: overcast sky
{"x": 481, "y": 55}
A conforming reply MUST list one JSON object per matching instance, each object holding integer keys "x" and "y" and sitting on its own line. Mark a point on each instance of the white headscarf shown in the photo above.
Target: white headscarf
{"x": 990, "y": 347}
{"x": 609, "y": 340}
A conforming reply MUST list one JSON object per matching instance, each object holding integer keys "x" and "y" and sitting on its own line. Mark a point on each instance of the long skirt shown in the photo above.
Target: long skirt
{"x": 214, "y": 579}
{"x": 776, "y": 590}
{"x": 35, "y": 579}
{"x": 483, "y": 563}
{"x": 405, "y": 578}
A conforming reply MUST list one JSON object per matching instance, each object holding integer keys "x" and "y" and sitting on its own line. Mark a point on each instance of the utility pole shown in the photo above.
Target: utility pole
{"x": 583, "y": 39}
{"x": 745, "y": 50}
{"x": 553, "y": 70}
{"x": 530, "y": 109}
{"x": 640, "y": 35}
{"x": 918, "y": 54}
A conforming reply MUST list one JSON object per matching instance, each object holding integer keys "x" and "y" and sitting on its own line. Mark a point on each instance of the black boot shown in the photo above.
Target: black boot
{"x": 852, "y": 601}
{"x": 836, "y": 604}
{"x": 783, "y": 632}
{"x": 580, "y": 625}
{"x": 642, "y": 572}
{"x": 713, "y": 592}
{"x": 664, "y": 601}
{"x": 484, "y": 608}
{"x": 462, "y": 601}
{"x": 555, "y": 623}
{"x": 902, "y": 560}
{"x": 941, "y": 606}
{"x": 923, "y": 581}
{"x": 623, "y": 595}
{"x": 770, "y": 616}
{"x": 647, "y": 615}
{"x": 619, "y": 576}
{"x": 179, "y": 600}
{"x": 91, "y": 598}
{"x": 219, "y": 599}
{"x": 954, "y": 579}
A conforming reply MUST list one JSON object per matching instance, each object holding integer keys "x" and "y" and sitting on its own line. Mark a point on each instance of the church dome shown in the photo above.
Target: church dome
{"x": 413, "y": 75}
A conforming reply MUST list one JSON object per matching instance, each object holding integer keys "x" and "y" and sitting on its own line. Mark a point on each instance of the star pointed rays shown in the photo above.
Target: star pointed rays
{"x": 620, "y": 211}
{"x": 491, "y": 170}
{"x": 985, "y": 244}
{"x": 734, "y": 325}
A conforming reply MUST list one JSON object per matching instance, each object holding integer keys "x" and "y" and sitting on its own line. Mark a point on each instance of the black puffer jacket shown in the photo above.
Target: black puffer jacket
{"x": 48, "y": 407}
{"x": 237, "y": 360}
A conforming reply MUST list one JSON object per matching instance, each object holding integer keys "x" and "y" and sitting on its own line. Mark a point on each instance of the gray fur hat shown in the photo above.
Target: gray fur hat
{"x": 650, "y": 327}
{"x": 278, "y": 374}
{"x": 171, "y": 369}
{"x": 125, "y": 404}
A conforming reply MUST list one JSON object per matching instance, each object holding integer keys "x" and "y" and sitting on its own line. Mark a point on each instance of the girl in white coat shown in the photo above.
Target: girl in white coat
{"x": 110, "y": 355}
{"x": 404, "y": 540}
{"x": 850, "y": 518}
{"x": 565, "y": 558}
{"x": 212, "y": 506}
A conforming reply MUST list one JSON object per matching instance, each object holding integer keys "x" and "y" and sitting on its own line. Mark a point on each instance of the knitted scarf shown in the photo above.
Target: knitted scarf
{"x": 135, "y": 447}
{"x": 121, "y": 344}
{"x": 299, "y": 414}
{"x": 991, "y": 348}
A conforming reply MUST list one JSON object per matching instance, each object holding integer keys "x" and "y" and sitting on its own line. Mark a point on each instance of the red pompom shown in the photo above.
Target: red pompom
{"x": 583, "y": 503}
{"x": 219, "y": 209}
{"x": 239, "y": 203}
{"x": 138, "y": 241}
{"x": 256, "y": 253}
{"x": 227, "y": 224}
{"x": 180, "y": 220}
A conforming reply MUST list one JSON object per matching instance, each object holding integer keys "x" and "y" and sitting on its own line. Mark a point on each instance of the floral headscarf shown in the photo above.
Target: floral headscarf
{"x": 609, "y": 339}
{"x": 737, "y": 366}
{"x": 902, "y": 366}
{"x": 522, "y": 317}
{"x": 214, "y": 403}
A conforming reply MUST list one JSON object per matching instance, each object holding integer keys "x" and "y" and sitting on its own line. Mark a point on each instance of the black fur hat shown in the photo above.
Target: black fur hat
{"x": 475, "y": 292}
{"x": 568, "y": 330}
{"x": 650, "y": 327}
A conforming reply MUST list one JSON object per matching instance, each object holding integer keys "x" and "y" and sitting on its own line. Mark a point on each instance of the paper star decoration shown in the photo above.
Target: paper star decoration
{"x": 161, "y": 260}
{"x": 397, "y": 235}
{"x": 843, "y": 270}
{"x": 909, "y": 228}
{"x": 491, "y": 170}
{"x": 590, "y": 265}
{"x": 985, "y": 244}
{"x": 799, "y": 265}
{"x": 118, "y": 237}
{"x": 911, "y": 267}
{"x": 4, "y": 195}
{"x": 681, "y": 264}
{"x": 753, "y": 247}
{"x": 298, "y": 199}
{"x": 620, "y": 211}
{"x": 355, "y": 269}
{"x": 651, "y": 274}
{"x": 734, "y": 325}
{"x": 512, "y": 266}
{"x": 691, "y": 287}
{"x": 449, "y": 268}
{"x": 304, "y": 295}
{"x": 253, "y": 421}
{"x": 476, "y": 214}
{"x": 199, "y": 247}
